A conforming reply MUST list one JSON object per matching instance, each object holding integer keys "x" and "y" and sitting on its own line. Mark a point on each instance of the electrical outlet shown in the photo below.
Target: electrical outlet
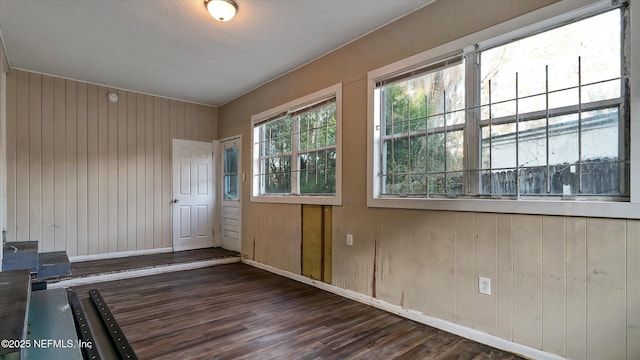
{"x": 484, "y": 285}
{"x": 349, "y": 240}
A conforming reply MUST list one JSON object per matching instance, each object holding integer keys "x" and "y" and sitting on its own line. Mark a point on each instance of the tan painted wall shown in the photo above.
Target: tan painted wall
{"x": 569, "y": 286}
{"x": 89, "y": 176}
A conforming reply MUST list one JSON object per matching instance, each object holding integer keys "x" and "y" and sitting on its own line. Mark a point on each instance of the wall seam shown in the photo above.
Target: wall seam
{"x": 455, "y": 267}
{"x": 542, "y": 281}
{"x": 512, "y": 232}
{"x": 586, "y": 292}
{"x": 564, "y": 223}
{"x": 429, "y": 265}
{"x": 473, "y": 271}
{"x": 495, "y": 240}
{"x": 626, "y": 289}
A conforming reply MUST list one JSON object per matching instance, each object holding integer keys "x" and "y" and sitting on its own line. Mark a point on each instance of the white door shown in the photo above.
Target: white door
{"x": 231, "y": 193}
{"x": 193, "y": 195}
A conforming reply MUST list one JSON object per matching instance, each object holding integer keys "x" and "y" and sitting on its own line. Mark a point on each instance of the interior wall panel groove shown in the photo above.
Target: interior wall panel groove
{"x": 89, "y": 176}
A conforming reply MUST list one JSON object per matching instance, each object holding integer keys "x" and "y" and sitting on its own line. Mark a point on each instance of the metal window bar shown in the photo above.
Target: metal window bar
{"x": 393, "y": 146}
{"x": 580, "y": 125}
{"x": 522, "y": 167}
{"x": 426, "y": 141}
{"x": 419, "y": 118}
{"x": 546, "y": 106}
{"x": 295, "y": 147}
{"x": 546, "y": 113}
{"x": 307, "y": 147}
{"x": 317, "y": 158}
{"x": 554, "y": 112}
{"x": 620, "y": 78}
{"x": 409, "y": 143}
{"x": 491, "y": 190}
{"x": 326, "y": 153}
{"x": 269, "y": 178}
{"x": 319, "y": 148}
{"x": 261, "y": 161}
{"x": 381, "y": 145}
{"x": 433, "y": 130}
{"x": 517, "y": 143}
{"x": 444, "y": 123}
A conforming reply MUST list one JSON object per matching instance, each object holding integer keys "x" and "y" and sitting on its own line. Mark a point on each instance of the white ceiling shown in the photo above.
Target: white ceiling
{"x": 173, "y": 48}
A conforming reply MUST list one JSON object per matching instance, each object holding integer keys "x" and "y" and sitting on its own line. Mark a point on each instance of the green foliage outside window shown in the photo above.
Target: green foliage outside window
{"x": 309, "y": 138}
{"x": 417, "y": 162}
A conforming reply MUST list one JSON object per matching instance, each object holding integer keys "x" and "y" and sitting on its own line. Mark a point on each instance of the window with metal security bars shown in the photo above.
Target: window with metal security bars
{"x": 544, "y": 115}
{"x": 296, "y": 150}
{"x": 421, "y": 131}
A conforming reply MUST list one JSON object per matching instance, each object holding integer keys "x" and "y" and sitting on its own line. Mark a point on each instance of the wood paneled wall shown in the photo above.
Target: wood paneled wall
{"x": 89, "y": 176}
{"x": 3, "y": 113}
{"x": 566, "y": 285}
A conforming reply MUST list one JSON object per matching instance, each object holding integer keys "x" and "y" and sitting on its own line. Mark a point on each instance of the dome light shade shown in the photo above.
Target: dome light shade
{"x": 221, "y": 10}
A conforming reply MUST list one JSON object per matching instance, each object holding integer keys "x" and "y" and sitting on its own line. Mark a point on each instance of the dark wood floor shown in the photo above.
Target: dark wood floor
{"x": 237, "y": 311}
{"x": 105, "y": 266}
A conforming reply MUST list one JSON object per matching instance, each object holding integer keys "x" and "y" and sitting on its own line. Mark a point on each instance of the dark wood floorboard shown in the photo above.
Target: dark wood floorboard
{"x": 85, "y": 268}
{"x": 14, "y": 305}
{"x": 239, "y": 312}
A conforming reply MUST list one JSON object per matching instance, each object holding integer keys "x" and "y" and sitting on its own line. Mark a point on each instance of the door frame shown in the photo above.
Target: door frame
{"x": 218, "y": 183}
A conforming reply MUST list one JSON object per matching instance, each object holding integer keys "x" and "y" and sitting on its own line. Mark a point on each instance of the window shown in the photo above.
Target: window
{"x": 296, "y": 150}
{"x": 230, "y": 176}
{"x": 537, "y": 114}
{"x": 422, "y": 120}
{"x": 552, "y": 118}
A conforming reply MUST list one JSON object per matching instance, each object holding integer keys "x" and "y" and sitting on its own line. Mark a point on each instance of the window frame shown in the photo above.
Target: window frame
{"x": 536, "y": 21}
{"x": 291, "y": 106}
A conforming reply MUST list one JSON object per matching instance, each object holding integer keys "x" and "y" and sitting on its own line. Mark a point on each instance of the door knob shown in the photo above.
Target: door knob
{"x": 175, "y": 201}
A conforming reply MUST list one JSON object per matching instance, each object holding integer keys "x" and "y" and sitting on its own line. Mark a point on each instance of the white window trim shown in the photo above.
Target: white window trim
{"x": 335, "y": 90}
{"x": 542, "y": 18}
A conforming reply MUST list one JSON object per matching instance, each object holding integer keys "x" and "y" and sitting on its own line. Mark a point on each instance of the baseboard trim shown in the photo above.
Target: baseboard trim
{"x": 115, "y": 255}
{"x": 93, "y": 279}
{"x": 414, "y": 315}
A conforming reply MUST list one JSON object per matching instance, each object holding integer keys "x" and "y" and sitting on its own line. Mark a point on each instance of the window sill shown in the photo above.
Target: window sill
{"x": 301, "y": 199}
{"x": 608, "y": 209}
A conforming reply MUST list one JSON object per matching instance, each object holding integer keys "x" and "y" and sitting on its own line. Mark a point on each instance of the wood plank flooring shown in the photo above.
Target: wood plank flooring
{"x": 15, "y": 288}
{"x": 85, "y": 268}
{"x": 239, "y": 312}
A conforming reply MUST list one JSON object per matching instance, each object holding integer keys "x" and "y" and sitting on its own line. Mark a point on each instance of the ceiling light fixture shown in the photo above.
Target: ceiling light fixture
{"x": 221, "y": 10}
